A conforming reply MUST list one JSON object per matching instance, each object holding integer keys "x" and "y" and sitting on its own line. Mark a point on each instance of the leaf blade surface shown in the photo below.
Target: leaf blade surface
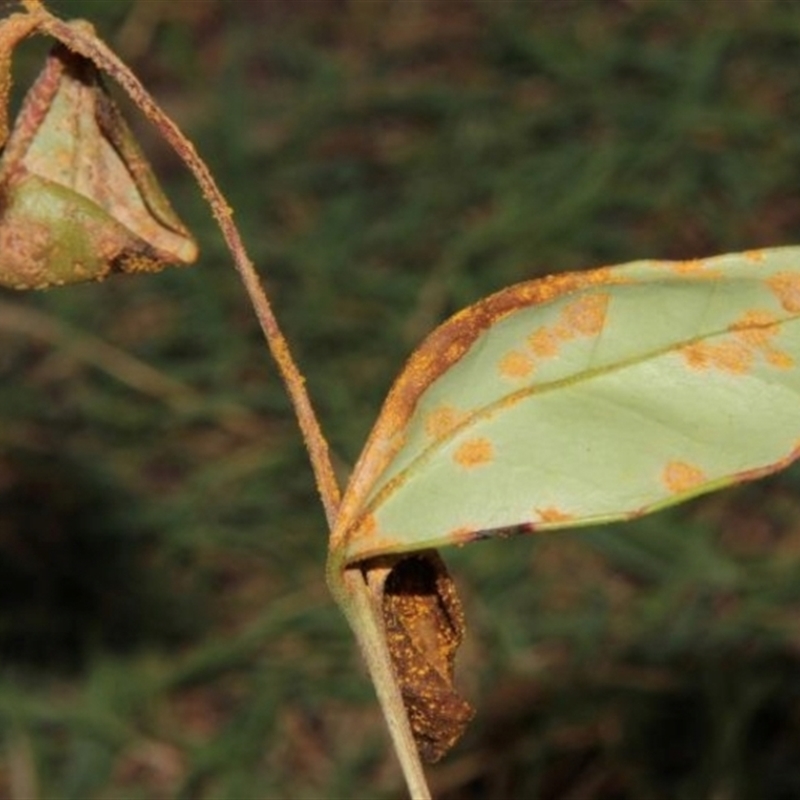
{"x": 583, "y": 398}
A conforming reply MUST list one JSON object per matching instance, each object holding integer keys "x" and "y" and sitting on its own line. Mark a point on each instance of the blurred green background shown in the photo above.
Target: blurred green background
{"x": 165, "y": 631}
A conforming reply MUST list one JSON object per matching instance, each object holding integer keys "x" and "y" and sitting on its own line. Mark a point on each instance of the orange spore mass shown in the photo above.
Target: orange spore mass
{"x": 515, "y": 365}
{"x": 756, "y": 327}
{"x": 679, "y": 476}
{"x": 543, "y": 343}
{"x": 442, "y": 420}
{"x": 730, "y": 356}
{"x": 586, "y": 315}
{"x": 474, "y": 453}
{"x": 689, "y": 267}
{"x": 779, "y": 359}
{"x": 553, "y": 514}
{"x": 786, "y": 286}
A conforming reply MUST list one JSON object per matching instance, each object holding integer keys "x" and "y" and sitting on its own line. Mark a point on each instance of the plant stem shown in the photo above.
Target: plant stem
{"x": 80, "y": 38}
{"x": 14, "y": 29}
{"x": 359, "y": 594}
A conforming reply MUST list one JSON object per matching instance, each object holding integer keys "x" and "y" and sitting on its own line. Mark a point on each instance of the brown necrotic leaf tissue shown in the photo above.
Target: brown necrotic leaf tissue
{"x": 424, "y": 625}
{"x": 78, "y": 200}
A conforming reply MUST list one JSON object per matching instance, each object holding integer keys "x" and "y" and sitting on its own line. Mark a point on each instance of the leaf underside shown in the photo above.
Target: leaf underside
{"x": 584, "y": 398}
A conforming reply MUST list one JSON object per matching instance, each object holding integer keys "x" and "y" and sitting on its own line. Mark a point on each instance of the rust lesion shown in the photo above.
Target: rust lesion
{"x": 757, "y": 327}
{"x": 543, "y": 343}
{"x": 424, "y": 625}
{"x": 515, "y": 365}
{"x": 582, "y": 317}
{"x": 551, "y": 514}
{"x": 474, "y": 452}
{"x": 681, "y": 476}
{"x": 585, "y": 316}
{"x": 442, "y": 420}
{"x": 786, "y": 287}
{"x": 693, "y": 266}
{"x": 733, "y": 356}
{"x": 751, "y": 336}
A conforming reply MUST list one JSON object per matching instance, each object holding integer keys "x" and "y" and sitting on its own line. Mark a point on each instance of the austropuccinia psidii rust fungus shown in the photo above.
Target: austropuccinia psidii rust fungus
{"x": 551, "y": 514}
{"x": 680, "y": 477}
{"x": 786, "y": 286}
{"x": 474, "y": 453}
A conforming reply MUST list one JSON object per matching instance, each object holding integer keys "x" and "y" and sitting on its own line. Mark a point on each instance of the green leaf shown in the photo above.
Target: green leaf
{"x": 584, "y": 398}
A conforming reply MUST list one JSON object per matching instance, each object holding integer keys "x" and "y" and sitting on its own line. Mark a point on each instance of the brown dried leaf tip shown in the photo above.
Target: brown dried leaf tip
{"x": 424, "y": 625}
{"x": 78, "y": 199}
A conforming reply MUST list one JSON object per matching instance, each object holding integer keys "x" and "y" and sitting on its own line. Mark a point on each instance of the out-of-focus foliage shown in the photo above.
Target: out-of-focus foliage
{"x": 164, "y": 626}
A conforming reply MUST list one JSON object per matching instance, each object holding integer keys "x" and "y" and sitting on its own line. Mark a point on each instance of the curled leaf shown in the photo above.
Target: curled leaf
{"x": 424, "y": 625}
{"x": 78, "y": 199}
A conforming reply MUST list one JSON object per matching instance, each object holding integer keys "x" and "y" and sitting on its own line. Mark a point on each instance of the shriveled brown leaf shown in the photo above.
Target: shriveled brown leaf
{"x": 78, "y": 199}
{"x": 424, "y": 625}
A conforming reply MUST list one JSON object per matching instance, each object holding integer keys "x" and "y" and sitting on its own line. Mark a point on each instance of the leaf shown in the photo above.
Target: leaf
{"x": 424, "y": 625}
{"x": 584, "y": 398}
{"x": 77, "y": 197}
